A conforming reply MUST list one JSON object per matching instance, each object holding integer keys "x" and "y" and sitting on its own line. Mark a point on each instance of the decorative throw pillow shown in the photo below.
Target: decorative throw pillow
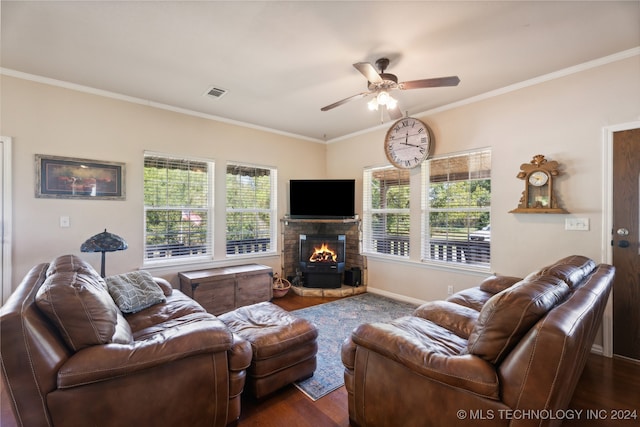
{"x": 134, "y": 291}
{"x": 81, "y": 308}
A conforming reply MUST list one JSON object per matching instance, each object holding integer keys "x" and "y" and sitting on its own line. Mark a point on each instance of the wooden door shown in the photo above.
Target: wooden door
{"x": 626, "y": 249}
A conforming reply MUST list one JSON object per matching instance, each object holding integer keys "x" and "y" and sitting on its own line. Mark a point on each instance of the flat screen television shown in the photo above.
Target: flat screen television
{"x": 322, "y": 198}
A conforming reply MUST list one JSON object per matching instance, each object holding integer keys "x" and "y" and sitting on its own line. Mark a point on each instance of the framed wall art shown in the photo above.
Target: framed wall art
{"x": 71, "y": 178}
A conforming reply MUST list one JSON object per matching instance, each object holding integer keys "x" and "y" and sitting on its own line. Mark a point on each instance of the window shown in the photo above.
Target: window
{"x": 177, "y": 205}
{"x": 456, "y": 209}
{"x": 386, "y": 211}
{"x": 251, "y": 209}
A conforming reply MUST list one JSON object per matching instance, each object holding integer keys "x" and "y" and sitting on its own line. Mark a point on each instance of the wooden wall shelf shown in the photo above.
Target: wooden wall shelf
{"x": 539, "y": 211}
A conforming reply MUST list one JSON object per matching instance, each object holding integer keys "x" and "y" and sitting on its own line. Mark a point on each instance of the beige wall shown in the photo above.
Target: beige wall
{"x": 562, "y": 119}
{"x": 45, "y": 119}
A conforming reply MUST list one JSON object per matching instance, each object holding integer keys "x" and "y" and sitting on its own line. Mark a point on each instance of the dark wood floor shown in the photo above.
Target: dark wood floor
{"x": 608, "y": 387}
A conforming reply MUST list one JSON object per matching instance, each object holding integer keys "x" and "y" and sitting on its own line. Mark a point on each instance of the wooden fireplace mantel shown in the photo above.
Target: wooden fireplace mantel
{"x": 320, "y": 220}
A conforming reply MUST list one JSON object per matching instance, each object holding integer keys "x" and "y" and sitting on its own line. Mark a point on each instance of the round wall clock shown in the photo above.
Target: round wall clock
{"x": 538, "y": 178}
{"x": 408, "y": 143}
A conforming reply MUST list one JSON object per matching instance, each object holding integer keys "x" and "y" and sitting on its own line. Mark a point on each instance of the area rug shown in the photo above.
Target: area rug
{"x": 335, "y": 321}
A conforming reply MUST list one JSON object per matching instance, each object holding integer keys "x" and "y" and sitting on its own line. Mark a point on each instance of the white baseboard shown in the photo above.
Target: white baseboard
{"x": 597, "y": 349}
{"x": 395, "y": 296}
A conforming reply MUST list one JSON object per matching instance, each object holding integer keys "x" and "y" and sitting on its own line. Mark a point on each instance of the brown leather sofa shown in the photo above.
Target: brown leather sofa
{"x": 70, "y": 357}
{"x": 508, "y": 352}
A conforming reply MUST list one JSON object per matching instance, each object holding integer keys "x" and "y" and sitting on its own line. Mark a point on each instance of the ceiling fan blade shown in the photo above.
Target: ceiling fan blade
{"x": 344, "y": 101}
{"x": 368, "y": 71}
{"x": 436, "y": 82}
{"x": 395, "y": 113}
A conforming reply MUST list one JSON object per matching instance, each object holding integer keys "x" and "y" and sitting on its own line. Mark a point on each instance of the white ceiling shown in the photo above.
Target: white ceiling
{"x": 281, "y": 61}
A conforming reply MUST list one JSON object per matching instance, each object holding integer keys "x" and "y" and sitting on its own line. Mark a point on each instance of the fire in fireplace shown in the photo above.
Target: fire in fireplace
{"x": 322, "y": 260}
{"x": 323, "y": 254}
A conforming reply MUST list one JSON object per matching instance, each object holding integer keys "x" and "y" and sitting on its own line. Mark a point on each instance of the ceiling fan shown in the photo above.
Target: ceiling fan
{"x": 381, "y": 83}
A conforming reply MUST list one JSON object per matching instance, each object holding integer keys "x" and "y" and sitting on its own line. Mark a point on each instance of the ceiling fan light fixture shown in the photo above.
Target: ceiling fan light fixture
{"x": 383, "y": 97}
{"x": 392, "y": 103}
{"x": 373, "y": 104}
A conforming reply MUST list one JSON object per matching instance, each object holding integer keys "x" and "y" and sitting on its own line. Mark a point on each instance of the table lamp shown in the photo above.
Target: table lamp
{"x": 104, "y": 242}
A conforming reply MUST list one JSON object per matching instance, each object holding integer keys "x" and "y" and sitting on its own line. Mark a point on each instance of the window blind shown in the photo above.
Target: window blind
{"x": 386, "y": 211}
{"x": 177, "y": 204}
{"x": 456, "y": 206}
{"x": 251, "y": 209}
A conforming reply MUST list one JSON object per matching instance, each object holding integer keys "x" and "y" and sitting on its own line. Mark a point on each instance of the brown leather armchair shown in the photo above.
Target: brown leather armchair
{"x": 170, "y": 364}
{"x": 508, "y": 352}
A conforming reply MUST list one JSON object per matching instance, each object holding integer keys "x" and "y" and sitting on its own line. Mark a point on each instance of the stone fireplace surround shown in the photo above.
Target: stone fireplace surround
{"x": 291, "y": 230}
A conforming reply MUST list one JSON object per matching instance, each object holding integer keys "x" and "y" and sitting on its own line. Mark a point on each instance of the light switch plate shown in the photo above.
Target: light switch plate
{"x": 576, "y": 224}
{"x": 64, "y": 221}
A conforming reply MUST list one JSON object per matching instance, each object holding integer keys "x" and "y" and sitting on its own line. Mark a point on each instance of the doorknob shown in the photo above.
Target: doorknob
{"x": 622, "y": 232}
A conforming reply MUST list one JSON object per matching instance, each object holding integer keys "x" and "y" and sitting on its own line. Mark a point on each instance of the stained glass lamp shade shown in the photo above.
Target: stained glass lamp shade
{"x": 104, "y": 242}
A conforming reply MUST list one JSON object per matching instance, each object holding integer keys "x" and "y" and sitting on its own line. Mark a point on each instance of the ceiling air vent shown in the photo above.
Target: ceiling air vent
{"x": 216, "y": 92}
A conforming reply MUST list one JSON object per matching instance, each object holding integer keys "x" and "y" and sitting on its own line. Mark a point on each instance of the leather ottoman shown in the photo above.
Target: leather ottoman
{"x": 284, "y": 346}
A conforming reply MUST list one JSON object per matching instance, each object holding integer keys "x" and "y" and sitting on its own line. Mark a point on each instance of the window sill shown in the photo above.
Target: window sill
{"x": 166, "y": 263}
{"x": 199, "y": 263}
{"x": 431, "y": 265}
{"x": 253, "y": 255}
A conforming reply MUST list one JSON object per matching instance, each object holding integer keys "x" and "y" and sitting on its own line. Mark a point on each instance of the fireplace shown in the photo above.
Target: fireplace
{"x": 354, "y": 261}
{"x": 322, "y": 259}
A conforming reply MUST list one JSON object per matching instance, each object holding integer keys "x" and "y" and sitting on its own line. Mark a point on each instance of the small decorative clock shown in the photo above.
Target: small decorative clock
{"x": 538, "y": 196}
{"x": 408, "y": 143}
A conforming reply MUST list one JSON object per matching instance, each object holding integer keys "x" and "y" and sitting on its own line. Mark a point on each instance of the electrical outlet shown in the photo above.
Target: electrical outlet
{"x": 64, "y": 221}
{"x": 449, "y": 290}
